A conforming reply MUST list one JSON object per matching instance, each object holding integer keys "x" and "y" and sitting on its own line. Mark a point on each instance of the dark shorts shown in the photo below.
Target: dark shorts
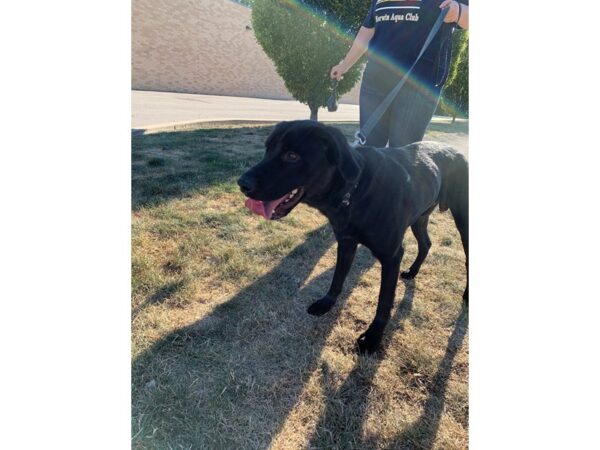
{"x": 408, "y": 116}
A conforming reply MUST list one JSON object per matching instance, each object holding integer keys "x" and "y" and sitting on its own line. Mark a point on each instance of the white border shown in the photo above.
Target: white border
{"x": 65, "y": 251}
{"x": 534, "y": 173}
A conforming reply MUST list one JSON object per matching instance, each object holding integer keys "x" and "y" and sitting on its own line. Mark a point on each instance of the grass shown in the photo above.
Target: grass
{"x": 224, "y": 354}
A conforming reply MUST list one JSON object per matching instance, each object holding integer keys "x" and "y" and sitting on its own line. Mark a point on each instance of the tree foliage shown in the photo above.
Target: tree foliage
{"x": 304, "y": 39}
{"x": 455, "y": 97}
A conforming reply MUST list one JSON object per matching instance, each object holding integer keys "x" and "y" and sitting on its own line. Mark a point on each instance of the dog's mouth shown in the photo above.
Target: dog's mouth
{"x": 276, "y": 209}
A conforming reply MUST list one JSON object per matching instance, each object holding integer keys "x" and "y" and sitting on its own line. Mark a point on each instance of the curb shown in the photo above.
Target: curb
{"x": 182, "y": 126}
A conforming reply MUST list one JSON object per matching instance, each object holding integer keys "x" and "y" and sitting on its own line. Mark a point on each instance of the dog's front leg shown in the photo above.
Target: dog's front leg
{"x": 369, "y": 341}
{"x": 345, "y": 255}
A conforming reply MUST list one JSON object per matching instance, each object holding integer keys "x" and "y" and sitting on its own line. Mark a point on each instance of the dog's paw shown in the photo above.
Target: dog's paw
{"x": 408, "y": 275}
{"x": 369, "y": 341}
{"x": 320, "y": 307}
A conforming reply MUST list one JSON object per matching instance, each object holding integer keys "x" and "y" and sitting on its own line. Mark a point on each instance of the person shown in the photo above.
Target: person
{"x": 394, "y": 32}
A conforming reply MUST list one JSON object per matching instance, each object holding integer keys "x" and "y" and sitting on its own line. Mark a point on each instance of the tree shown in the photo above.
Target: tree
{"x": 304, "y": 41}
{"x": 455, "y": 97}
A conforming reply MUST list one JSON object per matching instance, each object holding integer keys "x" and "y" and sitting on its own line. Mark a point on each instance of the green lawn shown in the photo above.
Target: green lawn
{"x": 224, "y": 354}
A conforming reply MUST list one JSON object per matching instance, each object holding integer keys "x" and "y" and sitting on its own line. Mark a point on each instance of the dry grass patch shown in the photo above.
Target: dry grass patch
{"x": 224, "y": 353}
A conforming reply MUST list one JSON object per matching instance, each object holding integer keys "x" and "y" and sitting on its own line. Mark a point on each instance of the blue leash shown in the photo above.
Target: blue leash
{"x": 361, "y": 135}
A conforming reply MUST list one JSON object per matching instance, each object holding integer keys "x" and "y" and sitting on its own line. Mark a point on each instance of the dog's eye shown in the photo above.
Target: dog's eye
{"x": 291, "y": 157}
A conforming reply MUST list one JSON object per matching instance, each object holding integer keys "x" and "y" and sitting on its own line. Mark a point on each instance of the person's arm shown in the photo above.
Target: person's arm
{"x": 457, "y": 14}
{"x": 359, "y": 47}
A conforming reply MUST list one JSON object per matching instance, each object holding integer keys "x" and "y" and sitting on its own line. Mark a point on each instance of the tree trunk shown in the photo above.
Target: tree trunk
{"x": 314, "y": 112}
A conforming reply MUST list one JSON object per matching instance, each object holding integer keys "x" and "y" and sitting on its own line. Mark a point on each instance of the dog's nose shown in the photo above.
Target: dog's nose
{"x": 247, "y": 183}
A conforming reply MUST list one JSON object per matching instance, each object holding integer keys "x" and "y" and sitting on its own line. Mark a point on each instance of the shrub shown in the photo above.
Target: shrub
{"x": 305, "y": 39}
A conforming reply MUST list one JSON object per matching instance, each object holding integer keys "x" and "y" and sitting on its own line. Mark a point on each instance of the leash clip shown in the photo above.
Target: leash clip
{"x": 347, "y": 195}
{"x": 359, "y": 139}
{"x": 346, "y": 199}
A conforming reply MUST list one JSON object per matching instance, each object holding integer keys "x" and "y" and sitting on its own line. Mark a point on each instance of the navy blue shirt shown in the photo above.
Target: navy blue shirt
{"x": 401, "y": 28}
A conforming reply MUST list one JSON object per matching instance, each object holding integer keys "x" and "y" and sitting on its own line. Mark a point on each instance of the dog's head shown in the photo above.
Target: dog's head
{"x": 302, "y": 159}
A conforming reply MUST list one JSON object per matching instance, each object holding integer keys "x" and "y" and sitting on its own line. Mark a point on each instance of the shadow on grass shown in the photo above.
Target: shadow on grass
{"x": 231, "y": 379}
{"x": 345, "y": 411}
{"x": 342, "y": 422}
{"x": 178, "y": 164}
{"x": 422, "y": 434}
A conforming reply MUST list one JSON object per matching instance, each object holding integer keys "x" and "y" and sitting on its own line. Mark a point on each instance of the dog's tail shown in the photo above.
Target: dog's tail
{"x": 457, "y": 192}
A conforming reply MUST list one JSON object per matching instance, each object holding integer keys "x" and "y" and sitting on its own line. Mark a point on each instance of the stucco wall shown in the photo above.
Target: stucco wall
{"x": 202, "y": 47}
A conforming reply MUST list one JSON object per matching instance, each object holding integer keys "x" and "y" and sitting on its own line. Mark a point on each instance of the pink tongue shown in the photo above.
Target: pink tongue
{"x": 261, "y": 208}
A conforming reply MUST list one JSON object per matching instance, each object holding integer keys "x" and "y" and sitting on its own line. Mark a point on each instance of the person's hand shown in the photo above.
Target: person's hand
{"x": 452, "y": 15}
{"x": 338, "y": 71}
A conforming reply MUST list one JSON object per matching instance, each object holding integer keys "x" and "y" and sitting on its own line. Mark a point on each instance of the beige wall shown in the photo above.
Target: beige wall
{"x": 202, "y": 47}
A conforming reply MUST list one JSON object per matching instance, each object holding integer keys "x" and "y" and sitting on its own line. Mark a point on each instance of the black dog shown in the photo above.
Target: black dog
{"x": 370, "y": 196}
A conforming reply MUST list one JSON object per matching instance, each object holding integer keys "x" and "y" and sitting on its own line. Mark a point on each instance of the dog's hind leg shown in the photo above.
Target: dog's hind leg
{"x": 459, "y": 206}
{"x": 345, "y": 255}
{"x": 419, "y": 229}
{"x": 462, "y": 223}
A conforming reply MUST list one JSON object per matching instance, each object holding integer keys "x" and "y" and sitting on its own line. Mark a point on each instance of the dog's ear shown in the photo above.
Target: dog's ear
{"x": 341, "y": 154}
{"x": 277, "y": 132}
